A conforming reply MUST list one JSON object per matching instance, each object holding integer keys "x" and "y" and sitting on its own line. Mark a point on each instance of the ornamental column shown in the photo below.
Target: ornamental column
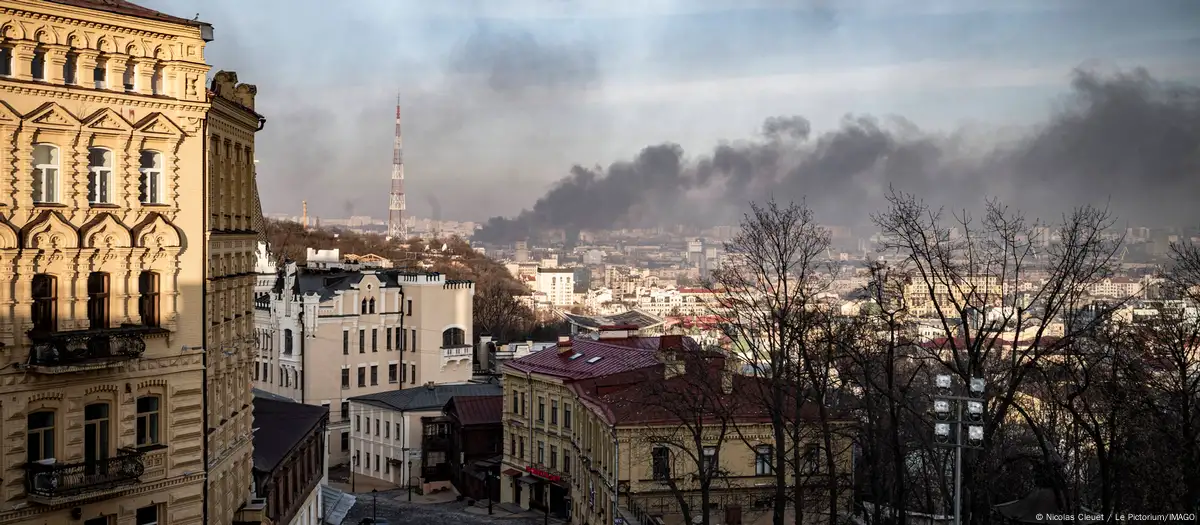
{"x": 85, "y": 67}
{"x": 22, "y": 58}
{"x": 145, "y": 71}
{"x": 56, "y": 59}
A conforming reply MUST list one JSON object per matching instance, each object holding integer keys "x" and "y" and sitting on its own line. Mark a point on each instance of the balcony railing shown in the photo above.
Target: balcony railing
{"x": 55, "y": 483}
{"x": 53, "y": 352}
{"x": 457, "y": 352}
{"x": 440, "y": 472}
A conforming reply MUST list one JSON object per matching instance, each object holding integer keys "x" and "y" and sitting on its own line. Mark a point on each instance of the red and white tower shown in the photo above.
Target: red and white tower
{"x": 396, "y": 229}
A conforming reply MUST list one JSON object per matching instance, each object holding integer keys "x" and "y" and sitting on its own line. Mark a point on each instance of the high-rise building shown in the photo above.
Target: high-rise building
{"x": 125, "y": 324}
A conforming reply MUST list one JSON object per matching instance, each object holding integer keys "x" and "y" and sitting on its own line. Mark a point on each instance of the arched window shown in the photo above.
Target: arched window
{"x": 97, "y": 305}
{"x": 150, "y": 184}
{"x": 364, "y": 306}
{"x": 148, "y": 409}
{"x": 45, "y": 303}
{"x": 39, "y": 431}
{"x": 148, "y": 304}
{"x": 454, "y": 337}
{"x": 287, "y": 342}
{"x": 371, "y": 306}
{"x": 45, "y": 173}
{"x": 100, "y": 166}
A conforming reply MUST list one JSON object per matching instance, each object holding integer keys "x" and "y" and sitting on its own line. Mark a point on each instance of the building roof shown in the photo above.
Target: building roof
{"x": 636, "y": 318}
{"x": 476, "y": 410}
{"x": 279, "y": 426}
{"x": 122, "y": 7}
{"x": 588, "y": 358}
{"x": 429, "y": 397}
{"x": 335, "y": 504}
{"x": 267, "y": 395}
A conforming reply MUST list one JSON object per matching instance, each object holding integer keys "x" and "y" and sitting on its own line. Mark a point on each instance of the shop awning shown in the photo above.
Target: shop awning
{"x": 512, "y": 472}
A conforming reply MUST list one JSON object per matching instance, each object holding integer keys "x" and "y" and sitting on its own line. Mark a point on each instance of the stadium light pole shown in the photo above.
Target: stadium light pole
{"x": 948, "y": 419}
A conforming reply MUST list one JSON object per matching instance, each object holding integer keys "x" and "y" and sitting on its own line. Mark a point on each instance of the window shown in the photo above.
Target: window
{"x": 553, "y": 457}
{"x": 400, "y": 339}
{"x": 523, "y": 403}
{"x": 39, "y": 428}
{"x": 345, "y": 441}
{"x": 541, "y": 408}
{"x": 345, "y": 378}
{"x": 362, "y": 341}
{"x": 414, "y": 340}
{"x": 69, "y": 68}
{"x": 38, "y": 65}
{"x": 148, "y": 303}
{"x": 346, "y": 406}
{"x": 812, "y": 459}
{"x": 358, "y": 424}
{"x": 387, "y": 339}
{"x": 287, "y": 341}
{"x": 100, "y": 167}
{"x": 403, "y": 373}
{"x": 147, "y": 515}
{"x": 387, "y": 431}
{"x": 100, "y": 74}
{"x": 387, "y": 465}
{"x": 147, "y": 420}
{"x": 363, "y": 308}
{"x": 374, "y": 339}
{"x": 521, "y": 447}
{"x": 454, "y": 337}
{"x": 376, "y": 427}
{"x": 45, "y": 173}
{"x": 151, "y": 181}
{"x": 516, "y": 405}
{"x": 393, "y": 375}
{"x": 397, "y": 430}
{"x": 566, "y": 462}
{"x": 156, "y": 81}
{"x": 371, "y": 306}
{"x": 409, "y": 308}
{"x": 376, "y": 462}
{"x": 6, "y": 57}
{"x": 553, "y": 411}
{"x": 412, "y": 378}
{"x": 374, "y": 375}
{"x": 660, "y": 459}
{"x": 566, "y": 416}
{"x": 512, "y": 447}
{"x": 708, "y": 461}
{"x": 130, "y": 79}
{"x": 96, "y": 432}
{"x": 345, "y": 342}
{"x": 541, "y": 452}
{"x": 45, "y": 303}
{"x": 362, "y": 376}
{"x": 762, "y": 460}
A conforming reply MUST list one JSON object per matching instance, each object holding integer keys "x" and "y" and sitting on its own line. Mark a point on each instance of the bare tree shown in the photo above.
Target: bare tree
{"x": 498, "y": 312}
{"x": 767, "y": 294}
{"x": 973, "y": 279}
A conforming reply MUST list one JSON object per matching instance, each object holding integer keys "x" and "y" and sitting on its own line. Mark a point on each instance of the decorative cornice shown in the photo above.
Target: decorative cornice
{"x": 89, "y": 24}
{"x": 107, "y": 98}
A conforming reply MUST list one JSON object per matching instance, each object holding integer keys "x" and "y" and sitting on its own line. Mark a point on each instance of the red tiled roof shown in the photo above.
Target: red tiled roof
{"x": 123, "y": 7}
{"x": 695, "y": 290}
{"x": 616, "y": 356}
{"x": 476, "y": 410}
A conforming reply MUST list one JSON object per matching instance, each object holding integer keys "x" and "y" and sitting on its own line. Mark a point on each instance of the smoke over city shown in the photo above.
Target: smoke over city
{"x": 1124, "y": 140}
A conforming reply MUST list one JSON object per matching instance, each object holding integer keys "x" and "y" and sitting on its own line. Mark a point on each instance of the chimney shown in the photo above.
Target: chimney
{"x": 564, "y": 344}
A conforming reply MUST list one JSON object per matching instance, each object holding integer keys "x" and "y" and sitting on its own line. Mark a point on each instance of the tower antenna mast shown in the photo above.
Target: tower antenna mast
{"x": 396, "y": 229}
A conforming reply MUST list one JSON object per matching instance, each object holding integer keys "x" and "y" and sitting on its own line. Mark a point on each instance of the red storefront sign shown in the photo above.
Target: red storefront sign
{"x": 543, "y": 474}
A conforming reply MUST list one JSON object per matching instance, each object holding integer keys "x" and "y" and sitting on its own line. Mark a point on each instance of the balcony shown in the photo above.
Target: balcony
{"x": 59, "y": 483}
{"x": 458, "y": 354}
{"x": 60, "y": 352}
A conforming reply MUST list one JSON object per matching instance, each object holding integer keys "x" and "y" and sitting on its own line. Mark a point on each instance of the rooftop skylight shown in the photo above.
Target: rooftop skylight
{"x": 574, "y": 357}
{"x": 594, "y": 359}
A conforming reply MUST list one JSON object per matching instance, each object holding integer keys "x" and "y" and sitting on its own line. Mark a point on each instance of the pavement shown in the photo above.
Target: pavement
{"x": 437, "y": 509}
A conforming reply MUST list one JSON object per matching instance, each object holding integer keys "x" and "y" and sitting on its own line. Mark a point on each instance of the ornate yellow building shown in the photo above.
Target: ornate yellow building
{"x": 128, "y": 195}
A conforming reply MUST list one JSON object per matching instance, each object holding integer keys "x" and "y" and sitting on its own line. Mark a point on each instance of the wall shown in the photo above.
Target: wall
{"x": 405, "y": 448}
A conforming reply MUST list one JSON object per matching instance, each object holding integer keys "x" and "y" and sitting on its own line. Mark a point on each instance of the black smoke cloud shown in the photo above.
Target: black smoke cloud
{"x": 1124, "y": 140}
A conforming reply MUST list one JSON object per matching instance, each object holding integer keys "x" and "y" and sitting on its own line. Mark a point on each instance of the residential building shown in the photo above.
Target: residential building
{"x": 358, "y": 330}
{"x": 289, "y": 460}
{"x": 119, "y": 322}
{"x": 475, "y": 437}
{"x": 558, "y": 284}
{"x": 401, "y": 438}
{"x": 583, "y": 436}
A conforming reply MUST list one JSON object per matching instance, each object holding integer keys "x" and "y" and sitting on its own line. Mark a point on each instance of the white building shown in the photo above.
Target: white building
{"x": 388, "y": 436}
{"x": 558, "y": 284}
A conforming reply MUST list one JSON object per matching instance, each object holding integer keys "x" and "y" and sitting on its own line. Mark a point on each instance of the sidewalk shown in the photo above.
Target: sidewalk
{"x": 508, "y": 511}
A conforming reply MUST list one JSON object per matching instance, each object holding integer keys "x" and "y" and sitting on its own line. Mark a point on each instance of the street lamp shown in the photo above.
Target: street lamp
{"x": 374, "y": 516}
{"x": 946, "y": 404}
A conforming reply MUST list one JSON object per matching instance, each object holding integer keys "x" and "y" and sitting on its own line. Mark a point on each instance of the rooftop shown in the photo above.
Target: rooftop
{"x": 279, "y": 426}
{"x": 476, "y": 410}
{"x": 429, "y": 397}
{"x": 588, "y": 358}
{"x": 122, "y": 7}
{"x": 636, "y": 318}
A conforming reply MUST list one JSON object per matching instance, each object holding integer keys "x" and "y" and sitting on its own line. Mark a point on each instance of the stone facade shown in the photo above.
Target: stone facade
{"x": 104, "y": 268}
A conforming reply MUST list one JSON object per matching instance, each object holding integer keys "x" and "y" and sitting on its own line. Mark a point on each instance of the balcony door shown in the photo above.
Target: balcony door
{"x": 97, "y": 305}
{"x": 96, "y": 431}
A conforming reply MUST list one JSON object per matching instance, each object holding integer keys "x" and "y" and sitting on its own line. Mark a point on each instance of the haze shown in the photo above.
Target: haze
{"x": 501, "y": 99}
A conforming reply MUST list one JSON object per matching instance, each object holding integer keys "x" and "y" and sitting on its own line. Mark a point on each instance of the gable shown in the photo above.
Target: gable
{"x": 7, "y": 115}
{"x": 53, "y": 115}
{"x": 107, "y": 120}
{"x": 156, "y": 231}
{"x": 50, "y": 231}
{"x": 158, "y": 124}
{"x": 105, "y": 231}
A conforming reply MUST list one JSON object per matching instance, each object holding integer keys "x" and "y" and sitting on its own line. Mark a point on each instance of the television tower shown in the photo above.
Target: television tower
{"x": 396, "y": 229}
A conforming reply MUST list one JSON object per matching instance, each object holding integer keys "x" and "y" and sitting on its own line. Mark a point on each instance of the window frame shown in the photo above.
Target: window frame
{"x": 151, "y": 179}
{"x": 44, "y": 309}
{"x": 150, "y": 298}
{"x": 660, "y": 463}
{"x": 47, "y": 178}
{"x": 45, "y": 434}
{"x": 152, "y": 421}
{"x": 764, "y": 460}
{"x": 100, "y": 176}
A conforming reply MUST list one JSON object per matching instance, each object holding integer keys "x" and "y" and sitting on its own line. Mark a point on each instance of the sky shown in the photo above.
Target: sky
{"x": 501, "y": 98}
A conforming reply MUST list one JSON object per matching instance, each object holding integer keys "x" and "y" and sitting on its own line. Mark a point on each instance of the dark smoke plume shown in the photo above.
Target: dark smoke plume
{"x": 1124, "y": 140}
